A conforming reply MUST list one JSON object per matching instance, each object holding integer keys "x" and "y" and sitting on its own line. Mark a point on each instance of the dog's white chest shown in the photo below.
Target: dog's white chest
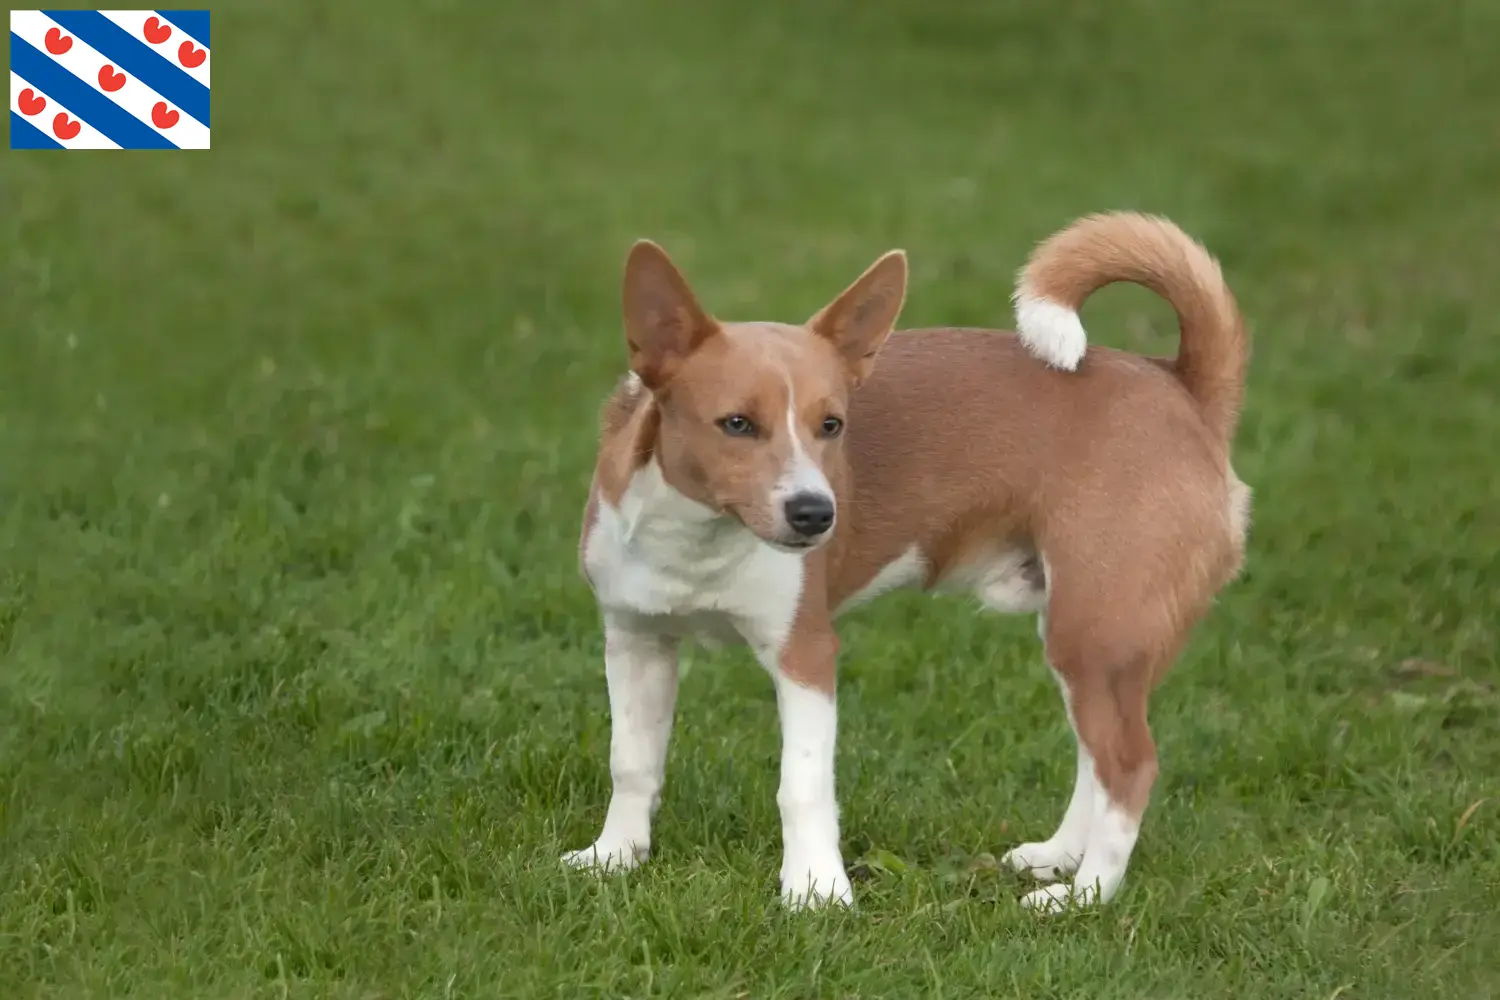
{"x": 690, "y": 571}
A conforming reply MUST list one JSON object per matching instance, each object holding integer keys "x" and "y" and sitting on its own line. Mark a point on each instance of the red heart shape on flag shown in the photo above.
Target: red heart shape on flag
{"x": 109, "y": 79}
{"x": 64, "y": 129}
{"x": 31, "y": 103}
{"x": 190, "y": 57}
{"x": 155, "y": 31}
{"x": 161, "y": 117}
{"x": 57, "y": 42}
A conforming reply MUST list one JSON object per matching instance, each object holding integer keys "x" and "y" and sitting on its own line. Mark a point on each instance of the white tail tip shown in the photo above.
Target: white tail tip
{"x": 1051, "y": 331}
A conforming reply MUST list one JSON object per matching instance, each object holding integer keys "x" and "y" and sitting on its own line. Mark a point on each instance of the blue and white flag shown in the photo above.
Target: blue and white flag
{"x": 109, "y": 79}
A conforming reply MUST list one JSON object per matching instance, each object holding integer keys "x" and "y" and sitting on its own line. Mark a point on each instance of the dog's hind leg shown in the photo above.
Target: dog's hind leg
{"x": 1106, "y": 657}
{"x": 1109, "y": 716}
{"x": 1060, "y": 854}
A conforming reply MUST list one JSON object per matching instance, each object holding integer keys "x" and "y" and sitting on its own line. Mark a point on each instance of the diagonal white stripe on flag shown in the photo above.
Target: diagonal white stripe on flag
{"x": 134, "y": 97}
{"x": 170, "y": 49}
{"x": 88, "y": 137}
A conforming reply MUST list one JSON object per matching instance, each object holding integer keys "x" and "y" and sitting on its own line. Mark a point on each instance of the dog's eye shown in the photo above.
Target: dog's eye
{"x": 832, "y": 427}
{"x": 737, "y": 425}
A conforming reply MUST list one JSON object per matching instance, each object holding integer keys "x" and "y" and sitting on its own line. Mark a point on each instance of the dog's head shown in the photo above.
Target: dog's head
{"x": 752, "y": 415}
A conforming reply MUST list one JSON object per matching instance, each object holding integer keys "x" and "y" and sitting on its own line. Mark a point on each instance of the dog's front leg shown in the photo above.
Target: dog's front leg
{"x": 641, "y": 669}
{"x": 812, "y": 867}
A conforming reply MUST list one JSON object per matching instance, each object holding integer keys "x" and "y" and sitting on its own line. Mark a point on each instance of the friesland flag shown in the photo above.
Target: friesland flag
{"x": 109, "y": 79}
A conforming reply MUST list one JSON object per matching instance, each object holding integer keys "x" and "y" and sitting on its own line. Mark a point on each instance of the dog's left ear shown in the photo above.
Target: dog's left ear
{"x": 859, "y": 320}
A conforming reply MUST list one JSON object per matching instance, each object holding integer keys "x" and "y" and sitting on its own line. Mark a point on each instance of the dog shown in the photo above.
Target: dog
{"x": 754, "y": 480}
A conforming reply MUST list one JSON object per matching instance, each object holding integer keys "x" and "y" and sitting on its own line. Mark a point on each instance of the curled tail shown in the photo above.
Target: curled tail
{"x": 1099, "y": 250}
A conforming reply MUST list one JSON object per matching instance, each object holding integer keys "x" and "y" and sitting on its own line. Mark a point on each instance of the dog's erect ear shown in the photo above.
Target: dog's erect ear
{"x": 859, "y": 320}
{"x": 663, "y": 321}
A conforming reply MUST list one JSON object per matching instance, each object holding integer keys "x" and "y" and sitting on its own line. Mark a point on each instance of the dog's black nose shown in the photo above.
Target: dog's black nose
{"x": 810, "y": 514}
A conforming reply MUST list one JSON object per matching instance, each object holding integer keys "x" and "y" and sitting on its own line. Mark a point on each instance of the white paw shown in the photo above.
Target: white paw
{"x": 815, "y": 886}
{"x": 1046, "y": 861}
{"x": 606, "y": 858}
{"x": 1058, "y": 897}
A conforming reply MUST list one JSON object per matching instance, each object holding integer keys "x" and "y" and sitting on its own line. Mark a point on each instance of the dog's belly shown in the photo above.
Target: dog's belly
{"x": 909, "y": 569}
{"x": 1007, "y": 578}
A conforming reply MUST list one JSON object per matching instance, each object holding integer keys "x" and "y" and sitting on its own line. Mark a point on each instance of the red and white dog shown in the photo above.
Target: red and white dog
{"x": 756, "y": 479}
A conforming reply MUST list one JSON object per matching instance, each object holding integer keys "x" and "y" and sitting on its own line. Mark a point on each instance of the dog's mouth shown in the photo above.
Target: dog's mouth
{"x": 798, "y": 545}
{"x": 778, "y": 536}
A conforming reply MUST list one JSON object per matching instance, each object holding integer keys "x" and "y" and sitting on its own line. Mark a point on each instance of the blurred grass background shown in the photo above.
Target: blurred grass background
{"x": 301, "y": 695}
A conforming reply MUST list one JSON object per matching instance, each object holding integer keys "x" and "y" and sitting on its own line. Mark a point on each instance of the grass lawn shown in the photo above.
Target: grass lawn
{"x": 301, "y": 694}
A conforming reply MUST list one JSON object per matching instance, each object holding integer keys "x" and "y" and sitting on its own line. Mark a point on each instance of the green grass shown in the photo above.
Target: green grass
{"x": 302, "y": 696}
